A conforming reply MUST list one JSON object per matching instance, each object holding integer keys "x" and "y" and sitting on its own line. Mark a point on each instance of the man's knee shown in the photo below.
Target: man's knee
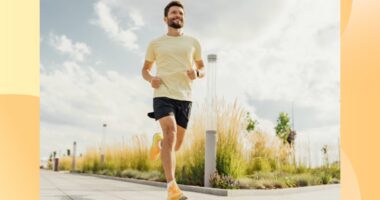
{"x": 169, "y": 139}
{"x": 169, "y": 130}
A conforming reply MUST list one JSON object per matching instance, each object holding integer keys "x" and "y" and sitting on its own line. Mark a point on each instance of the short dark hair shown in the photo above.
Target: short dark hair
{"x": 172, "y": 3}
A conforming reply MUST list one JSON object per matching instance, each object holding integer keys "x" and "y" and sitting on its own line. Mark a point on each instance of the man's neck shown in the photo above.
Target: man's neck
{"x": 174, "y": 32}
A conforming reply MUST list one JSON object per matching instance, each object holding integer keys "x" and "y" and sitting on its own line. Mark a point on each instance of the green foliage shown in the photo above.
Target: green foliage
{"x": 290, "y": 182}
{"x": 228, "y": 157}
{"x": 223, "y": 181}
{"x": 326, "y": 178}
{"x": 130, "y": 173}
{"x": 301, "y": 169}
{"x": 244, "y": 160}
{"x": 152, "y": 175}
{"x": 50, "y": 165}
{"x": 251, "y": 124}
{"x": 260, "y": 164}
{"x": 106, "y": 172}
{"x": 229, "y": 160}
{"x": 288, "y": 168}
{"x": 191, "y": 174}
{"x": 283, "y": 128}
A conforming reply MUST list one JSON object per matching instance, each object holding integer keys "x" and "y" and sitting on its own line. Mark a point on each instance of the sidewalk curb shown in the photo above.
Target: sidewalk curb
{"x": 221, "y": 192}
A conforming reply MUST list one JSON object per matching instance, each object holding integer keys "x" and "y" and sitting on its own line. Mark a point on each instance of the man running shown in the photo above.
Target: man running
{"x": 175, "y": 54}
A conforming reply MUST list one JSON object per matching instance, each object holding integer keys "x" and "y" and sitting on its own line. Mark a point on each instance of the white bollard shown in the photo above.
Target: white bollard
{"x": 74, "y": 154}
{"x": 103, "y": 148}
{"x": 211, "y": 134}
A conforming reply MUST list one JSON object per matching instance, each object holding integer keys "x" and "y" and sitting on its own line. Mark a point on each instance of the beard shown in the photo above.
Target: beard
{"x": 176, "y": 25}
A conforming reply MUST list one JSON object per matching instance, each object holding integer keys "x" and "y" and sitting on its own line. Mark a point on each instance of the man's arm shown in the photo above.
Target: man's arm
{"x": 200, "y": 67}
{"x": 146, "y": 71}
{"x": 147, "y": 75}
{"x": 198, "y": 72}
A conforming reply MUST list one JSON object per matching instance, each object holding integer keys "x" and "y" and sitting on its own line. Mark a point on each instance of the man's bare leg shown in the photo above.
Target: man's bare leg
{"x": 179, "y": 139}
{"x": 180, "y": 135}
{"x": 169, "y": 129}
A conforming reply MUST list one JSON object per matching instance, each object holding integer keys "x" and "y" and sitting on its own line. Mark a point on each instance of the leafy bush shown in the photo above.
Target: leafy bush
{"x": 229, "y": 160}
{"x": 223, "y": 181}
{"x": 130, "y": 173}
{"x": 263, "y": 159}
{"x": 106, "y": 172}
{"x": 261, "y": 164}
{"x": 325, "y": 178}
{"x": 290, "y": 182}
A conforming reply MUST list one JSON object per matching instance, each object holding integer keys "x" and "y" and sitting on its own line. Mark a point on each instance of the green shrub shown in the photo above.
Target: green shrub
{"x": 152, "y": 176}
{"x": 267, "y": 184}
{"x": 229, "y": 160}
{"x": 130, "y": 173}
{"x": 302, "y": 182}
{"x": 261, "y": 164}
{"x": 290, "y": 182}
{"x": 223, "y": 182}
{"x": 301, "y": 169}
{"x": 288, "y": 168}
{"x": 305, "y": 179}
{"x": 325, "y": 178}
{"x": 105, "y": 172}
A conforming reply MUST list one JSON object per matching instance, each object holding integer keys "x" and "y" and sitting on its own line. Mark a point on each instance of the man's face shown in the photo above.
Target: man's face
{"x": 175, "y": 18}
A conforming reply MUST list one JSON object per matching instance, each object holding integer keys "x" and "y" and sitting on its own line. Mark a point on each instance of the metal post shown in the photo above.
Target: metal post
{"x": 211, "y": 137}
{"x": 74, "y": 154}
{"x": 102, "y": 154}
{"x": 56, "y": 164}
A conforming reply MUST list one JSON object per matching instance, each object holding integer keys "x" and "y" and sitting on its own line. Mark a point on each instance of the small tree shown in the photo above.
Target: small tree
{"x": 251, "y": 124}
{"x": 325, "y": 155}
{"x": 68, "y": 152}
{"x": 286, "y": 134}
{"x": 291, "y": 137}
{"x": 283, "y": 128}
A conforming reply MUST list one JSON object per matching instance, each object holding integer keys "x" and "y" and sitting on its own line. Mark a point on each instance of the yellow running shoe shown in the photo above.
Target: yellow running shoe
{"x": 155, "y": 148}
{"x": 174, "y": 193}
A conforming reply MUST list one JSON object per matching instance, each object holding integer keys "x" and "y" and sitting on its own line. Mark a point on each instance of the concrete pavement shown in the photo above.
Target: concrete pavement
{"x": 65, "y": 186}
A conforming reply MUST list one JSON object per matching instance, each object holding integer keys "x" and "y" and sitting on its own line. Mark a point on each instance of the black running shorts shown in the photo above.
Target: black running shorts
{"x": 164, "y": 106}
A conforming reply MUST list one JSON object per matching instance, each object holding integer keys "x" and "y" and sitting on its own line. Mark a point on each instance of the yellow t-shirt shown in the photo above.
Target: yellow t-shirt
{"x": 174, "y": 55}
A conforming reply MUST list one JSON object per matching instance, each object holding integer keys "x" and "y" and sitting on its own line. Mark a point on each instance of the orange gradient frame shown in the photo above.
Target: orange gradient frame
{"x": 20, "y": 107}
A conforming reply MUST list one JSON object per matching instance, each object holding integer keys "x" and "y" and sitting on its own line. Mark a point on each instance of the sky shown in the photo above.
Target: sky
{"x": 273, "y": 56}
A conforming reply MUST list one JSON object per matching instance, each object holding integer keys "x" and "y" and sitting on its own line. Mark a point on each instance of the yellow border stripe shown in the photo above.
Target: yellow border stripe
{"x": 19, "y": 49}
{"x": 360, "y": 95}
{"x": 19, "y": 147}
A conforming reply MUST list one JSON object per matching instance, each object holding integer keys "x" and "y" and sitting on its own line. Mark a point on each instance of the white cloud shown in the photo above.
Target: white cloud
{"x": 137, "y": 18}
{"x": 76, "y": 100}
{"x": 111, "y": 24}
{"x": 76, "y": 50}
{"x": 294, "y": 58}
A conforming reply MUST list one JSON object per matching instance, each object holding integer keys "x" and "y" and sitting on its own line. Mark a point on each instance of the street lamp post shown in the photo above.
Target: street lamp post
{"x": 74, "y": 154}
{"x": 102, "y": 154}
{"x": 211, "y": 121}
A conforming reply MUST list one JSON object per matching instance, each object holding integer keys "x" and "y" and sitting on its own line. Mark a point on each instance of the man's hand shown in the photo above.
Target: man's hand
{"x": 155, "y": 82}
{"x": 192, "y": 74}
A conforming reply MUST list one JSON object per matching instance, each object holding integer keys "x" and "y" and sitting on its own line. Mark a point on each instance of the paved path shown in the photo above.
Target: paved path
{"x": 64, "y": 186}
